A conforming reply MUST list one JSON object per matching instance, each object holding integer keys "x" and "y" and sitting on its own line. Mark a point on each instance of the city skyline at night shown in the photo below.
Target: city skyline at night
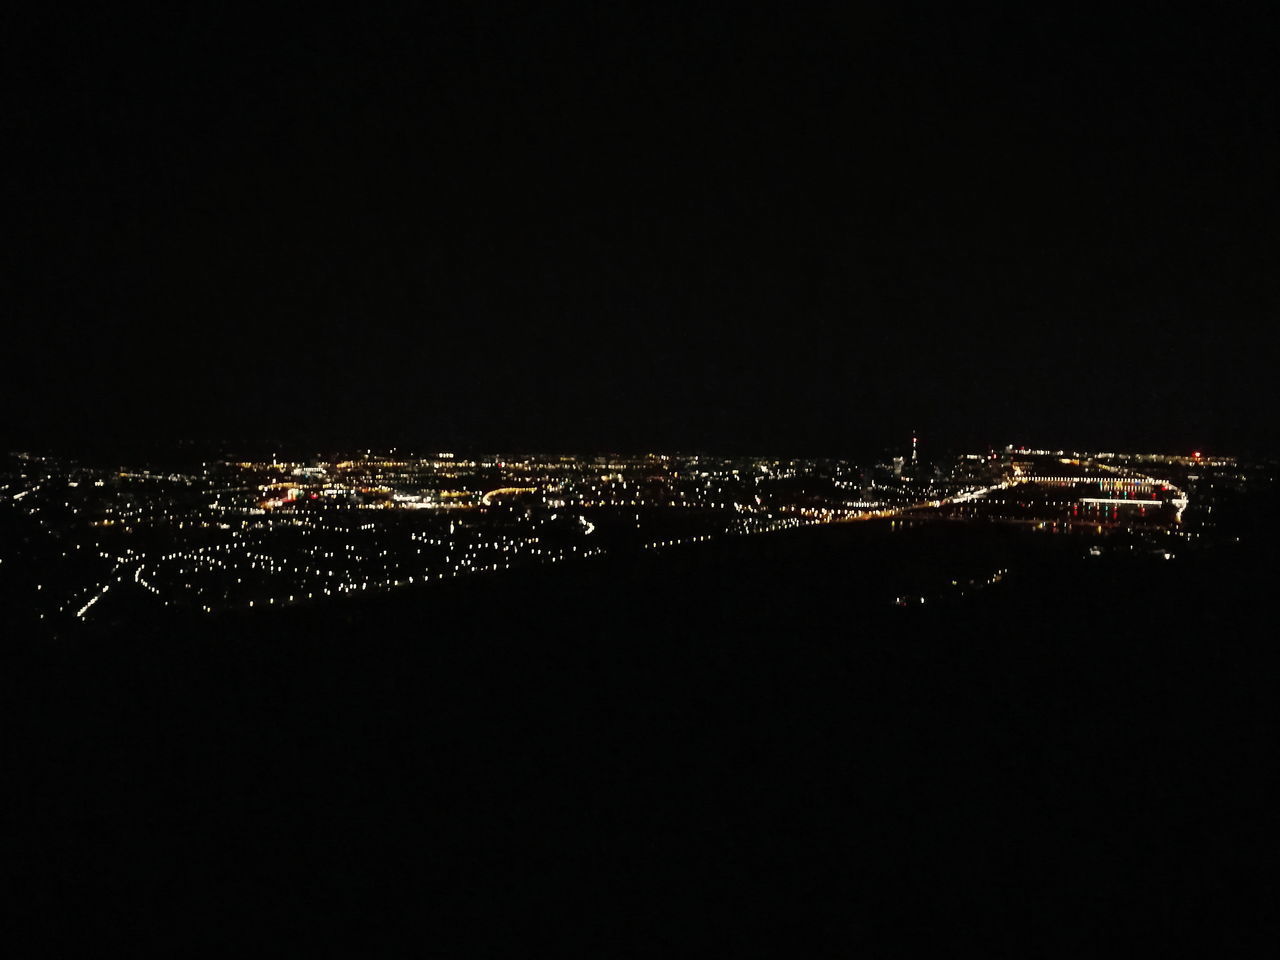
{"x": 618, "y": 479}
{"x": 215, "y": 536}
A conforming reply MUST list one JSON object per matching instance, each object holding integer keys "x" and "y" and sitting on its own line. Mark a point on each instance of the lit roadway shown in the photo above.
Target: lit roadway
{"x": 963, "y": 497}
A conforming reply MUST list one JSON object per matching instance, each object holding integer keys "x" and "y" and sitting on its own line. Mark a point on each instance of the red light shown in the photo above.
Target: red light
{"x": 1196, "y": 454}
{"x": 315, "y": 496}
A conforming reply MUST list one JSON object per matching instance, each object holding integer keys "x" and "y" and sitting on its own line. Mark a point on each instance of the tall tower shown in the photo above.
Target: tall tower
{"x": 914, "y": 447}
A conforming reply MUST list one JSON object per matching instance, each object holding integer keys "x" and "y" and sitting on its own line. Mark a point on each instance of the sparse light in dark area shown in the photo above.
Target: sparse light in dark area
{"x": 517, "y": 479}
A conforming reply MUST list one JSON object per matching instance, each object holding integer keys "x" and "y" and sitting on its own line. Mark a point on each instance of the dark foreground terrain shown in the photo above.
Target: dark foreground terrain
{"x": 716, "y": 748}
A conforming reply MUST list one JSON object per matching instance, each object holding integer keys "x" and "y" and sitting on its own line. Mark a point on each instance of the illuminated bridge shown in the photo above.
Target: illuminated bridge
{"x": 1103, "y": 481}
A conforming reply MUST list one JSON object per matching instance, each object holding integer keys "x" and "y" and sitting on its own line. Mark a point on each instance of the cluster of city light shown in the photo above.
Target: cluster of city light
{"x": 223, "y": 525}
{"x": 246, "y": 534}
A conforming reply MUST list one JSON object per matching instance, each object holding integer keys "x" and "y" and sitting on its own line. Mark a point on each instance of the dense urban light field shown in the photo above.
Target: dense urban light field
{"x": 91, "y": 541}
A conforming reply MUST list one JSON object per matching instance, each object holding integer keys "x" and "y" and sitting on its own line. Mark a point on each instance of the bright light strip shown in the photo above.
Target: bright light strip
{"x": 1131, "y": 503}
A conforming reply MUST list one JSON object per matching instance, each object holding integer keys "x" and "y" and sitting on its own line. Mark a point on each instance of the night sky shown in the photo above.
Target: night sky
{"x": 806, "y": 228}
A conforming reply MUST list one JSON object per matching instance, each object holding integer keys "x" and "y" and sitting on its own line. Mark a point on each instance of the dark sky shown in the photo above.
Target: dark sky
{"x": 802, "y": 228}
